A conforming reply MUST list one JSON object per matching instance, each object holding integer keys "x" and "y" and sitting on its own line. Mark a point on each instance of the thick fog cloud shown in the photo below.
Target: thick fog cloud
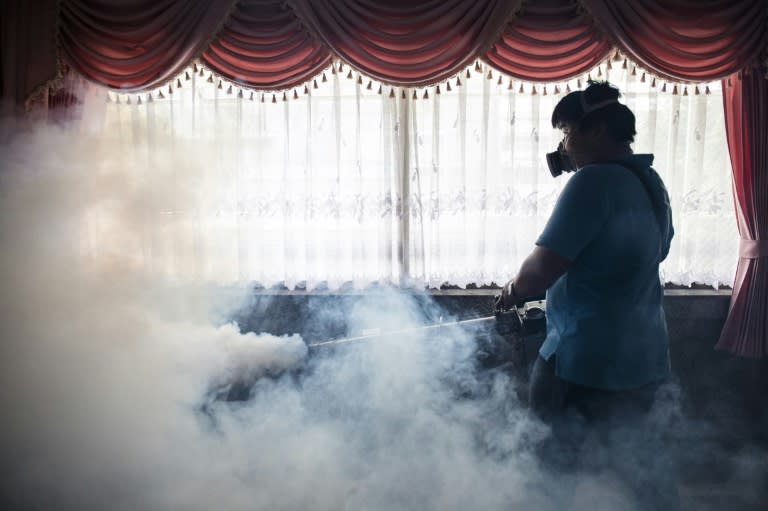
{"x": 109, "y": 374}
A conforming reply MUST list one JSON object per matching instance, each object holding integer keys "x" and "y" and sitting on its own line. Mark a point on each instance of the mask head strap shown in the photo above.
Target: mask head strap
{"x": 588, "y": 109}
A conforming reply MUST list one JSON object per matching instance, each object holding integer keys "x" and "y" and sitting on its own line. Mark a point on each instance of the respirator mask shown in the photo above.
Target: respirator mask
{"x": 559, "y": 162}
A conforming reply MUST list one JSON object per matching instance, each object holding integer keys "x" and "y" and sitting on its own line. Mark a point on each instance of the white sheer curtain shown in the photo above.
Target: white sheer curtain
{"x": 482, "y": 192}
{"x": 309, "y": 189}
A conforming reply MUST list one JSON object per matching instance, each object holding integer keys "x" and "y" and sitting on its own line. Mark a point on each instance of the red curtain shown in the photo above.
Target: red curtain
{"x": 550, "y": 40}
{"x": 264, "y": 45}
{"x": 136, "y": 44}
{"x": 685, "y": 39}
{"x": 746, "y": 122}
{"x": 405, "y": 42}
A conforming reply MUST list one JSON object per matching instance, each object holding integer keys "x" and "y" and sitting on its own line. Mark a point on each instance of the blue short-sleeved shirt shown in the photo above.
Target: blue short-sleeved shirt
{"x": 605, "y": 320}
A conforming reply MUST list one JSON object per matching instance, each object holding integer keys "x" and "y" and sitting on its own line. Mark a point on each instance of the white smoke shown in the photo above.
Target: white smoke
{"x": 108, "y": 375}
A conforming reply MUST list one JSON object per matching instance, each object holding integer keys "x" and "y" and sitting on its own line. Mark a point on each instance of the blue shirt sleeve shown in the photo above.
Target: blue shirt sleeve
{"x": 579, "y": 215}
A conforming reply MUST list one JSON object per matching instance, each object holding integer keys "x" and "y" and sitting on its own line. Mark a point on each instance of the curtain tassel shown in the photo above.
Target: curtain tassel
{"x": 369, "y": 86}
{"x": 617, "y": 56}
{"x": 685, "y": 90}
{"x": 478, "y": 69}
{"x": 706, "y": 90}
{"x": 499, "y": 81}
{"x": 391, "y": 92}
{"x": 510, "y": 86}
{"x": 521, "y": 91}
{"x": 653, "y": 82}
{"x": 117, "y": 99}
{"x": 341, "y": 67}
{"x": 599, "y": 72}
{"x": 194, "y": 67}
{"x": 402, "y": 94}
{"x": 306, "y": 89}
{"x": 458, "y": 81}
{"x": 634, "y": 70}
{"x": 557, "y": 89}
{"x": 468, "y": 74}
{"x": 221, "y": 86}
{"x": 426, "y": 93}
{"x": 448, "y": 86}
{"x": 490, "y": 75}
{"x": 624, "y": 64}
{"x": 170, "y": 90}
{"x": 567, "y": 87}
{"x": 674, "y": 90}
{"x": 250, "y": 98}
{"x": 160, "y": 95}
{"x": 544, "y": 92}
{"x": 295, "y": 94}
{"x": 324, "y": 79}
{"x": 138, "y": 100}
{"x": 437, "y": 90}
{"x": 274, "y": 99}
{"x": 186, "y": 76}
{"x": 210, "y": 79}
{"x": 262, "y": 97}
{"x": 578, "y": 83}
{"x": 349, "y": 75}
{"x": 664, "y": 87}
{"x": 608, "y": 65}
{"x": 285, "y": 96}
{"x": 533, "y": 90}
{"x": 229, "y": 89}
{"x": 240, "y": 94}
{"x": 379, "y": 91}
{"x": 314, "y": 84}
{"x": 589, "y": 77}
{"x": 149, "y": 98}
{"x": 642, "y": 77}
{"x": 201, "y": 73}
{"x": 333, "y": 69}
{"x": 128, "y": 101}
{"x": 696, "y": 90}
{"x": 359, "y": 80}
{"x": 414, "y": 95}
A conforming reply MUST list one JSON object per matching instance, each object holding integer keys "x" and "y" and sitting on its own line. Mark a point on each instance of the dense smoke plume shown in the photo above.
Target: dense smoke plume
{"x": 108, "y": 372}
{"x": 109, "y": 375}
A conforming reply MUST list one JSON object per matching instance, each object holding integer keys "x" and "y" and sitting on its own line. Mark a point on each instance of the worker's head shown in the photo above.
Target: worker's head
{"x": 594, "y": 124}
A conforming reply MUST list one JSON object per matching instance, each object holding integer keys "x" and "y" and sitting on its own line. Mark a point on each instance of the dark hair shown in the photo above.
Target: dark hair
{"x": 618, "y": 118}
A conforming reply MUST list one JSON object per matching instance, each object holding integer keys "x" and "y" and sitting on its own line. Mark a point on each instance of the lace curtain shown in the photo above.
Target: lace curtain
{"x": 353, "y": 182}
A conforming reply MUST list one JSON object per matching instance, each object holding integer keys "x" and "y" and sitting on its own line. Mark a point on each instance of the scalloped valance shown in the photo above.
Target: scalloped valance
{"x": 276, "y": 44}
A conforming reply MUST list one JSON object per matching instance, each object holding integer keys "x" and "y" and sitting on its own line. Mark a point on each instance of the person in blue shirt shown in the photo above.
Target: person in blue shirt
{"x": 606, "y": 349}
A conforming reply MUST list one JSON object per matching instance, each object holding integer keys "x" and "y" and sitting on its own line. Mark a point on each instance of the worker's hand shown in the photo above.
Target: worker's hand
{"x": 508, "y": 298}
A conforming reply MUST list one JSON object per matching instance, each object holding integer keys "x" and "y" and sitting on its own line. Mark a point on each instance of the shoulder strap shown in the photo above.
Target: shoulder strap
{"x": 657, "y": 208}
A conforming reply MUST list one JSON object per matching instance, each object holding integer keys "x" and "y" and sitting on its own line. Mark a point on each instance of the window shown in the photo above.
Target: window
{"x": 339, "y": 183}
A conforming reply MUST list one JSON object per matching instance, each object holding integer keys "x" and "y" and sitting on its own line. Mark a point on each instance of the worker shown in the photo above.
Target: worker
{"x": 606, "y": 350}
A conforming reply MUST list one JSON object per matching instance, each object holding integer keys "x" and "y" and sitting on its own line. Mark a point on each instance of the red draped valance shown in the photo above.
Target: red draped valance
{"x": 685, "y": 39}
{"x": 549, "y": 41}
{"x": 278, "y": 44}
{"x": 263, "y": 44}
{"x": 136, "y": 44}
